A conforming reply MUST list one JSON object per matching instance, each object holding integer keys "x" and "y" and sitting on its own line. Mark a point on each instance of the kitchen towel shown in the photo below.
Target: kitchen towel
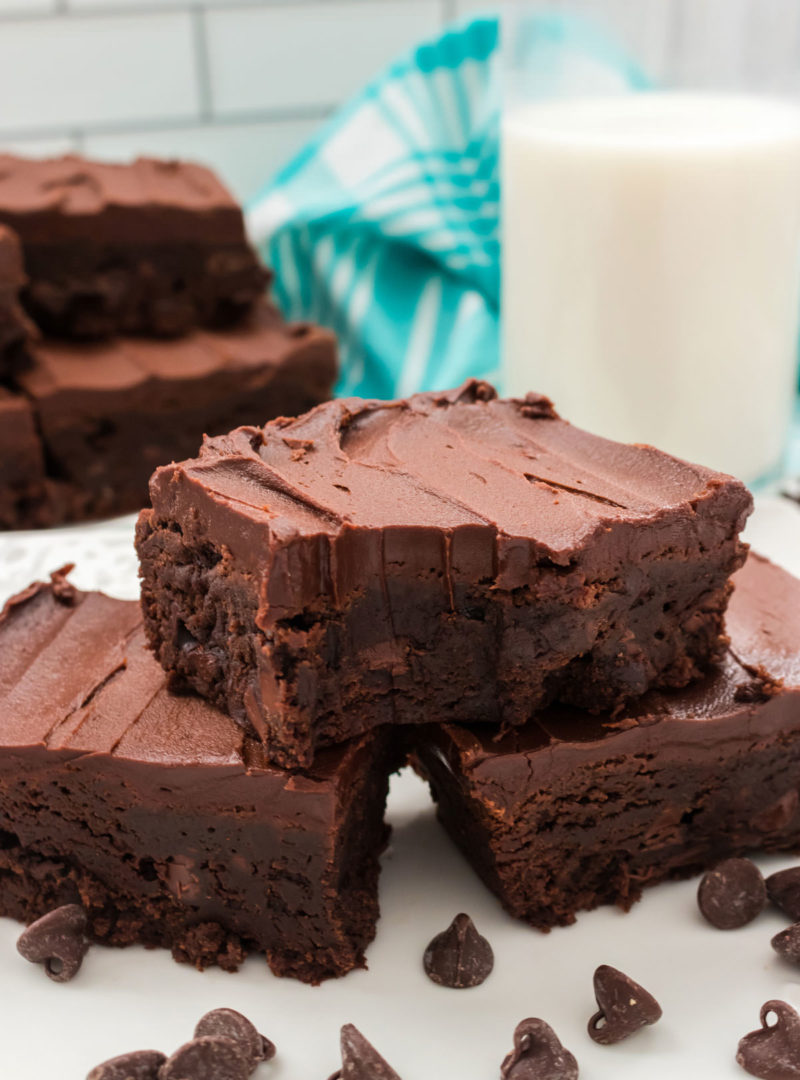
{"x": 386, "y": 226}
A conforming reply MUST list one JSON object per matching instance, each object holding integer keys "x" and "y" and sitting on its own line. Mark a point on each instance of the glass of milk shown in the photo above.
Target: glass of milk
{"x": 651, "y": 221}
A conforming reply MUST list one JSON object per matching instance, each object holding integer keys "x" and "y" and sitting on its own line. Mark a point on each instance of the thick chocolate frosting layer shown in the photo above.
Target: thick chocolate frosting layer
{"x": 51, "y": 200}
{"x": 461, "y": 460}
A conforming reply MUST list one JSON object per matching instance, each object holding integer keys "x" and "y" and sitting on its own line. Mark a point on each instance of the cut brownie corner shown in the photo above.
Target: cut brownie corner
{"x": 372, "y": 563}
{"x": 573, "y": 811}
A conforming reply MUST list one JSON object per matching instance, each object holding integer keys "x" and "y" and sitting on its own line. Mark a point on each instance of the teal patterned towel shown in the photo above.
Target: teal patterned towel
{"x": 386, "y": 226}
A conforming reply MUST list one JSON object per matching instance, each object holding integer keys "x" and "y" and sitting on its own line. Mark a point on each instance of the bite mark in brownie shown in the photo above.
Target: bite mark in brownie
{"x": 570, "y": 812}
{"x": 152, "y": 247}
{"x": 161, "y": 816}
{"x": 451, "y": 556}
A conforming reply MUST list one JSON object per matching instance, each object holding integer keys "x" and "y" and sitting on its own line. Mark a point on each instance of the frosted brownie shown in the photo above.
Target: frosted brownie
{"x": 153, "y": 247}
{"x": 161, "y": 816}
{"x": 573, "y": 811}
{"x": 107, "y": 413}
{"x": 453, "y": 556}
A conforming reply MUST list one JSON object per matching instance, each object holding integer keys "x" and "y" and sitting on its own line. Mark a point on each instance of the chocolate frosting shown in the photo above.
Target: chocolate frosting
{"x": 143, "y": 203}
{"x": 263, "y": 343}
{"x": 504, "y": 484}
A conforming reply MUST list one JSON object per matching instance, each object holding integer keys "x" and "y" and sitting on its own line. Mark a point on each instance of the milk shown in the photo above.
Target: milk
{"x": 651, "y": 266}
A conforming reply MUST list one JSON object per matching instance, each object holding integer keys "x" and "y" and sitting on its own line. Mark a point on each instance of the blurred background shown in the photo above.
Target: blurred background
{"x": 242, "y": 85}
{"x": 238, "y": 85}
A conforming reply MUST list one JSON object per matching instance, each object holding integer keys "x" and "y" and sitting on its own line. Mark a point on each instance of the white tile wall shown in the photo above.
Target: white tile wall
{"x": 308, "y": 54}
{"x": 242, "y": 84}
{"x": 99, "y": 69}
{"x": 239, "y": 84}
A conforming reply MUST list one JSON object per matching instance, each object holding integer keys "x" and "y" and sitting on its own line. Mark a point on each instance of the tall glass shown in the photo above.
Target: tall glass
{"x": 651, "y": 220}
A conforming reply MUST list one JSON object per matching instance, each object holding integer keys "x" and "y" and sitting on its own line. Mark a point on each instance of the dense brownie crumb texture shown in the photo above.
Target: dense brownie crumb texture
{"x": 133, "y": 320}
{"x": 575, "y": 811}
{"x": 451, "y": 556}
{"x": 161, "y": 817}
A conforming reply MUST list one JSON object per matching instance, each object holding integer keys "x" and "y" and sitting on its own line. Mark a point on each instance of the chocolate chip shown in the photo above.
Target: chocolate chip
{"x": 538, "y": 1055}
{"x": 360, "y": 1059}
{"x": 211, "y": 1057}
{"x": 139, "y": 1065}
{"x": 232, "y": 1025}
{"x": 58, "y": 941}
{"x": 783, "y": 889}
{"x": 773, "y": 1052}
{"x": 459, "y": 957}
{"x": 732, "y": 894}
{"x": 787, "y": 944}
{"x": 623, "y": 1007}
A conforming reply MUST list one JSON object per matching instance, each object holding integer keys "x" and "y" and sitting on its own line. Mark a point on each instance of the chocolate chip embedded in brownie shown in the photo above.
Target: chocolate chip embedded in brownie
{"x": 453, "y": 556}
{"x": 151, "y": 247}
{"x": 161, "y": 816}
{"x": 571, "y": 812}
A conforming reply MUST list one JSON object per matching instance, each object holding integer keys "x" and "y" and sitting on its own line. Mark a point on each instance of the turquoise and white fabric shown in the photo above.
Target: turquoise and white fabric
{"x": 386, "y": 226}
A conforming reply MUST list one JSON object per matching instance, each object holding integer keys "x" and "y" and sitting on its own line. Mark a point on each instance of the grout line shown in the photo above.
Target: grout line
{"x": 202, "y": 62}
{"x": 132, "y": 7}
{"x": 254, "y": 116}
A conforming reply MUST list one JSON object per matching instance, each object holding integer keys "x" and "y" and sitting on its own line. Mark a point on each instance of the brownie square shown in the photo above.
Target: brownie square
{"x": 572, "y": 811}
{"x": 151, "y": 247}
{"x": 109, "y": 412}
{"x": 16, "y": 330}
{"x": 161, "y": 816}
{"x": 453, "y": 556}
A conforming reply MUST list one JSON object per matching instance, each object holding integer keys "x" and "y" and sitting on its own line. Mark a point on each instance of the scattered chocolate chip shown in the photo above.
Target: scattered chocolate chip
{"x": 783, "y": 889}
{"x": 732, "y": 894}
{"x": 538, "y": 1055}
{"x": 787, "y": 944}
{"x": 623, "y": 1007}
{"x": 232, "y": 1025}
{"x": 211, "y": 1057}
{"x": 139, "y": 1065}
{"x": 459, "y": 957}
{"x": 360, "y": 1059}
{"x": 58, "y": 941}
{"x": 773, "y": 1052}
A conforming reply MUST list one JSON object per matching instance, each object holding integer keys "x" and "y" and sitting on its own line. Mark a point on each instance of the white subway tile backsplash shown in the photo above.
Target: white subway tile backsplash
{"x": 39, "y": 148}
{"x": 26, "y": 7}
{"x": 72, "y": 71}
{"x": 308, "y": 54}
{"x": 244, "y": 155}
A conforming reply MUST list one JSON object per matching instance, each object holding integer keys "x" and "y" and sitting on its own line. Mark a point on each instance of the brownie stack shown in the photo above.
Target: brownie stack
{"x": 534, "y": 616}
{"x": 133, "y": 320}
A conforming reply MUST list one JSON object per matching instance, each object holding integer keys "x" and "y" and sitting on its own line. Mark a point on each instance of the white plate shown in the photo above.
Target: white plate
{"x": 711, "y": 984}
